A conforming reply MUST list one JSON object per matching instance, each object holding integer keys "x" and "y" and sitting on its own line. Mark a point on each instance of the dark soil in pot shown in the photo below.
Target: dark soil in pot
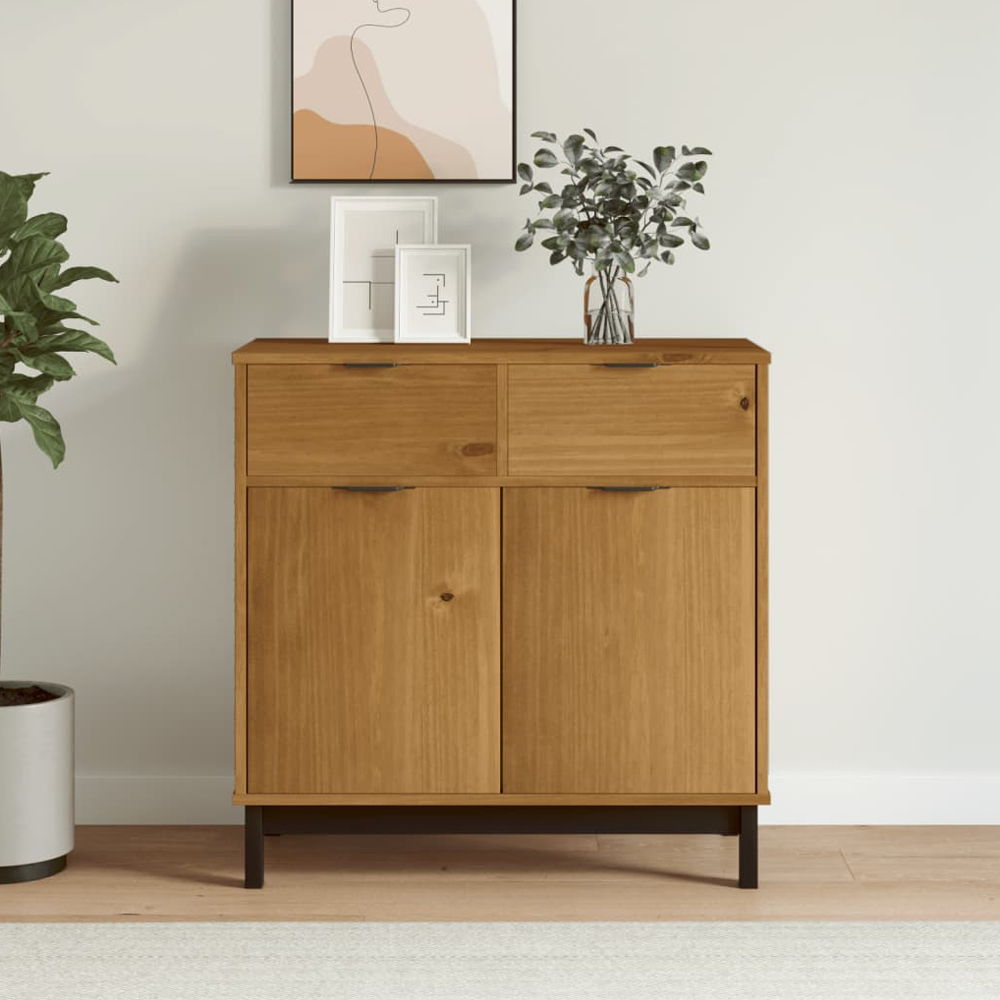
{"x": 25, "y": 696}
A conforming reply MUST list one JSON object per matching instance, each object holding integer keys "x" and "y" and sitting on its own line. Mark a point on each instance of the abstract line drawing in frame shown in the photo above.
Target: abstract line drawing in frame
{"x": 433, "y": 294}
{"x": 404, "y": 90}
{"x": 364, "y": 233}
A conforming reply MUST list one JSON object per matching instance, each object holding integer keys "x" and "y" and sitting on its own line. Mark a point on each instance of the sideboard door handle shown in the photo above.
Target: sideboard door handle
{"x": 651, "y": 364}
{"x": 371, "y": 364}
{"x": 629, "y": 489}
{"x": 373, "y": 489}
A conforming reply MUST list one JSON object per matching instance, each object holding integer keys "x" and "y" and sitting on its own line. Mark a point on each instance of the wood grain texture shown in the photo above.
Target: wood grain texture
{"x": 629, "y": 641}
{"x": 763, "y": 686}
{"x": 418, "y": 419}
{"x": 240, "y": 594}
{"x": 504, "y": 799}
{"x": 579, "y": 419}
{"x": 732, "y": 351}
{"x": 150, "y": 873}
{"x": 374, "y": 655}
{"x": 502, "y": 419}
{"x": 501, "y": 481}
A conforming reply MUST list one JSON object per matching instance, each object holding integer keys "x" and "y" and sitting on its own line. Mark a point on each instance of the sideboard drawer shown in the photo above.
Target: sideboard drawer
{"x": 434, "y": 420}
{"x": 571, "y": 420}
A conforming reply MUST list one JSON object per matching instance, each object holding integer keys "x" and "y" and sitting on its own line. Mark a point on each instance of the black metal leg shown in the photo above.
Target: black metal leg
{"x": 253, "y": 848}
{"x": 748, "y": 847}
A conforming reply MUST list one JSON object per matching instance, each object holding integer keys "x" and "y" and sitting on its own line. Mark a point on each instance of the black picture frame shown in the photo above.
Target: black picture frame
{"x": 512, "y": 179}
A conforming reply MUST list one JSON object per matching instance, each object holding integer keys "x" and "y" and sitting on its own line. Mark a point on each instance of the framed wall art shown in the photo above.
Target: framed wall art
{"x": 364, "y": 233}
{"x": 403, "y": 90}
{"x": 433, "y": 294}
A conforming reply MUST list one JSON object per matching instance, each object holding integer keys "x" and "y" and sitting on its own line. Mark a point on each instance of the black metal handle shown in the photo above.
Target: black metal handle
{"x": 651, "y": 364}
{"x": 628, "y": 489}
{"x": 366, "y": 364}
{"x": 373, "y": 489}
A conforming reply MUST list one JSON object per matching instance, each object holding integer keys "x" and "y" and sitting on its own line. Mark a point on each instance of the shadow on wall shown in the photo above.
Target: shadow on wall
{"x": 281, "y": 93}
{"x": 145, "y": 536}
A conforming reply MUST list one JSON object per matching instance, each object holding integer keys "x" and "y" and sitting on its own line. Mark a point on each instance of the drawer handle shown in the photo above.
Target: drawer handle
{"x": 629, "y": 489}
{"x": 369, "y": 364}
{"x": 651, "y": 364}
{"x": 373, "y": 489}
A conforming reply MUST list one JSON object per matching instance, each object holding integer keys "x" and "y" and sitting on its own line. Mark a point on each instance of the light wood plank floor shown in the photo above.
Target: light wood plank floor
{"x": 807, "y": 873}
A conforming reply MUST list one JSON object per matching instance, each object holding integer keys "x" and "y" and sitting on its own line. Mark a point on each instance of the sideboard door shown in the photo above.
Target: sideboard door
{"x": 374, "y": 641}
{"x": 629, "y": 657}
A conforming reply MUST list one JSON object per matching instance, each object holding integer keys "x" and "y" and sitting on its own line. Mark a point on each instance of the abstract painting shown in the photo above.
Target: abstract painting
{"x": 433, "y": 297}
{"x": 364, "y": 234}
{"x": 403, "y": 90}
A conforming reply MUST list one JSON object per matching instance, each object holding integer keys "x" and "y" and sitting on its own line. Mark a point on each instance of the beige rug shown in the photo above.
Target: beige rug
{"x": 804, "y": 961}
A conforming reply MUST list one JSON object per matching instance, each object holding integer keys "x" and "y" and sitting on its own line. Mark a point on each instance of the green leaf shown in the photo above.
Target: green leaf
{"x": 50, "y": 224}
{"x": 557, "y": 257}
{"x": 645, "y": 166}
{"x": 552, "y": 201}
{"x": 645, "y": 270}
{"x": 5, "y": 306}
{"x": 591, "y": 133}
{"x": 545, "y": 187}
{"x": 563, "y": 218}
{"x": 683, "y": 221}
{"x": 45, "y": 427}
{"x": 552, "y": 243}
{"x": 545, "y": 158}
{"x": 23, "y": 324}
{"x": 700, "y": 240}
{"x": 693, "y": 171}
{"x": 50, "y": 364}
{"x": 612, "y": 149}
{"x": 697, "y": 151}
{"x": 74, "y": 341}
{"x": 33, "y": 254}
{"x": 625, "y": 262}
{"x": 13, "y": 207}
{"x": 525, "y": 172}
{"x": 526, "y": 189}
{"x": 668, "y": 257}
{"x": 573, "y": 148}
{"x": 699, "y": 187}
{"x": 524, "y": 242}
{"x": 28, "y": 387}
{"x": 27, "y": 182}
{"x": 74, "y": 274}
{"x": 670, "y": 240}
{"x": 545, "y": 136}
{"x": 663, "y": 157}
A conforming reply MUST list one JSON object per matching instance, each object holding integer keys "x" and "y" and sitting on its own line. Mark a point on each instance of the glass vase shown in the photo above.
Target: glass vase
{"x": 609, "y": 309}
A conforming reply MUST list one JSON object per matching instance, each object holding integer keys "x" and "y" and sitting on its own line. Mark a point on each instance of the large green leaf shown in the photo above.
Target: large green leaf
{"x": 545, "y": 158}
{"x": 50, "y": 364}
{"x": 5, "y": 306}
{"x": 693, "y": 171}
{"x": 74, "y": 274}
{"x": 73, "y": 341}
{"x": 22, "y": 324}
{"x": 26, "y": 183}
{"x": 13, "y": 207}
{"x": 31, "y": 255}
{"x": 45, "y": 427}
{"x": 50, "y": 224}
{"x": 28, "y": 387}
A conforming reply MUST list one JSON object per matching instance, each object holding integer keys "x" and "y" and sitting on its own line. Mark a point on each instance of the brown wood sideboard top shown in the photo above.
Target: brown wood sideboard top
{"x": 564, "y": 351}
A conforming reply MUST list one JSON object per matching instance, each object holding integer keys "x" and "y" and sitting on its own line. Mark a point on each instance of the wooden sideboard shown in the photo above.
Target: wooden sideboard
{"x": 514, "y": 586}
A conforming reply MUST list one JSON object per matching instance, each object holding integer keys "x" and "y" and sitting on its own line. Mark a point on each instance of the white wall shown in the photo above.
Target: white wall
{"x": 853, "y": 208}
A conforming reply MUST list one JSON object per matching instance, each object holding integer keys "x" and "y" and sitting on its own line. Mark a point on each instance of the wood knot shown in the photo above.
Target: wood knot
{"x": 744, "y": 403}
{"x": 477, "y": 449}
{"x": 447, "y": 598}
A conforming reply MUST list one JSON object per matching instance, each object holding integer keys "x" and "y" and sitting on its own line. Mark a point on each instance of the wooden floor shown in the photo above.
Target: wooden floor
{"x": 807, "y": 873}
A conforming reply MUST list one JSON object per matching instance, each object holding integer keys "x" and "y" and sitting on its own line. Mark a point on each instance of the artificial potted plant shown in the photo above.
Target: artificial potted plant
{"x": 37, "y": 328}
{"x": 615, "y": 213}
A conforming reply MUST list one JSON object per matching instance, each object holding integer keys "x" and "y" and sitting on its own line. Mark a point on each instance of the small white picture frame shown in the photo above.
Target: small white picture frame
{"x": 433, "y": 294}
{"x": 364, "y": 233}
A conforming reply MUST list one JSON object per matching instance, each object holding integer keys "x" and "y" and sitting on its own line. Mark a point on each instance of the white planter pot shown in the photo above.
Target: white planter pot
{"x": 36, "y": 785}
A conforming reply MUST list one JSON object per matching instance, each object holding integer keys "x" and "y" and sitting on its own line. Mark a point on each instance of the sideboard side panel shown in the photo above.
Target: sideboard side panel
{"x": 241, "y": 580}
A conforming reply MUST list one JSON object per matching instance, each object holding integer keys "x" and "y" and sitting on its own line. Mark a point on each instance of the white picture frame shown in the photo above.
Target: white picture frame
{"x": 363, "y": 235}
{"x": 433, "y": 294}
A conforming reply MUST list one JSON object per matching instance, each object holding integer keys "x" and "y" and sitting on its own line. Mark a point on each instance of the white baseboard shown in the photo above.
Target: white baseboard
{"x": 799, "y": 799}
{"x": 961, "y": 799}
